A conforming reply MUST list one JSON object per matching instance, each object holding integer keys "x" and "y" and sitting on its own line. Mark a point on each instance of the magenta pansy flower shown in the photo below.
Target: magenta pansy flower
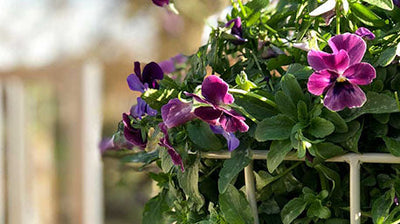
{"x": 176, "y": 158}
{"x": 161, "y": 3}
{"x": 131, "y": 134}
{"x": 339, "y": 73}
{"x": 365, "y": 33}
{"x": 216, "y": 96}
{"x": 231, "y": 139}
{"x": 236, "y": 30}
{"x": 176, "y": 112}
{"x": 148, "y": 79}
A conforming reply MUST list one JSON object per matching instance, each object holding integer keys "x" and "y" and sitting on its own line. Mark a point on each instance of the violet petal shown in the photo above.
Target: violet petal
{"x": 161, "y": 3}
{"x": 151, "y": 73}
{"x": 215, "y": 90}
{"x": 167, "y": 66}
{"x": 360, "y": 74}
{"x": 139, "y": 110}
{"x": 208, "y": 114}
{"x": 176, "y": 112}
{"x": 231, "y": 139}
{"x": 364, "y": 32}
{"x": 351, "y": 43}
{"x": 231, "y": 121}
{"x": 344, "y": 94}
{"x": 135, "y": 84}
{"x": 137, "y": 71}
{"x": 320, "y": 60}
{"x": 320, "y": 81}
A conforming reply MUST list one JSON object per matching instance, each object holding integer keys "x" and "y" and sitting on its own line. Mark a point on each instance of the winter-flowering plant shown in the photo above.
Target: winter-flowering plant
{"x": 305, "y": 78}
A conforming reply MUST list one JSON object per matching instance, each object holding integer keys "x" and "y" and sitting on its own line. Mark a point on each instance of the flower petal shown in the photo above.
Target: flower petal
{"x": 320, "y": 60}
{"x": 208, "y": 114}
{"x": 360, "y": 74}
{"x": 320, "y": 81}
{"x": 215, "y": 90}
{"x": 231, "y": 139}
{"x": 167, "y": 66}
{"x": 135, "y": 84}
{"x": 344, "y": 94}
{"x": 364, "y": 32}
{"x": 139, "y": 110}
{"x": 137, "y": 71}
{"x": 161, "y": 3}
{"x": 152, "y": 72}
{"x": 233, "y": 122}
{"x": 324, "y": 8}
{"x": 354, "y": 46}
{"x": 176, "y": 112}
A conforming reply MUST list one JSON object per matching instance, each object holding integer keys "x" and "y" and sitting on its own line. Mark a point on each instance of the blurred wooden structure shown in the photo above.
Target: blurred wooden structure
{"x": 28, "y": 191}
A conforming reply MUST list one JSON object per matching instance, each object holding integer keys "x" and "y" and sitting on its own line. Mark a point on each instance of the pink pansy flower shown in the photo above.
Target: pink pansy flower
{"x": 365, "y": 33}
{"x": 339, "y": 73}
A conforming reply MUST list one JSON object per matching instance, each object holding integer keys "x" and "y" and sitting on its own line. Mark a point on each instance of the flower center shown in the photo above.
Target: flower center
{"x": 341, "y": 79}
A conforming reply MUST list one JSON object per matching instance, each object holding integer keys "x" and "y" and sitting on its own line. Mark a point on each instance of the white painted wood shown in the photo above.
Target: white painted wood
{"x": 15, "y": 153}
{"x": 355, "y": 209}
{"x": 251, "y": 190}
{"x": 2, "y": 170}
{"x": 92, "y": 164}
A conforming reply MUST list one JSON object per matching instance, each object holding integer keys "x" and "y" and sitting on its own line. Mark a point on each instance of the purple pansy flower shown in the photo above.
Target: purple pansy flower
{"x": 396, "y": 3}
{"x": 176, "y": 112}
{"x": 161, "y": 3}
{"x": 133, "y": 135}
{"x": 231, "y": 139}
{"x": 176, "y": 158}
{"x": 141, "y": 109}
{"x": 215, "y": 93}
{"x": 236, "y": 30}
{"x": 396, "y": 200}
{"x": 339, "y": 74}
{"x": 140, "y": 82}
{"x": 365, "y": 33}
{"x": 109, "y": 144}
{"x": 169, "y": 66}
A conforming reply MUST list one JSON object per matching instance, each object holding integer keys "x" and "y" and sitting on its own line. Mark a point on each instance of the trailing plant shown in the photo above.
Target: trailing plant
{"x": 315, "y": 79}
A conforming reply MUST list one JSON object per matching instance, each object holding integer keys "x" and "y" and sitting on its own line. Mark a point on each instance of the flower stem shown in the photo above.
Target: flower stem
{"x": 242, "y": 8}
{"x": 337, "y": 18}
{"x": 254, "y": 95}
{"x": 397, "y": 99}
{"x": 285, "y": 172}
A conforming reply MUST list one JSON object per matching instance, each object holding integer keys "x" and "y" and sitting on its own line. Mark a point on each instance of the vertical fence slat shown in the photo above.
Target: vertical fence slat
{"x": 355, "y": 210}
{"x": 92, "y": 165}
{"x": 15, "y": 152}
{"x": 2, "y": 170}
{"x": 251, "y": 190}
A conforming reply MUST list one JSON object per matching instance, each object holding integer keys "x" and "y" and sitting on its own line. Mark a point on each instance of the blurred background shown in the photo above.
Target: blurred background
{"x": 63, "y": 69}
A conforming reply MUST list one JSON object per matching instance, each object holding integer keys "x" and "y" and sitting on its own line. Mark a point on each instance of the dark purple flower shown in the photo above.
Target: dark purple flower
{"x": 365, "y": 33}
{"x": 339, "y": 74}
{"x": 396, "y": 3}
{"x": 236, "y": 30}
{"x": 176, "y": 112}
{"x": 215, "y": 93}
{"x": 169, "y": 66}
{"x": 176, "y": 158}
{"x": 133, "y": 135}
{"x": 231, "y": 139}
{"x": 140, "y": 82}
{"x": 396, "y": 200}
{"x": 161, "y": 3}
{"x": 309, "y": 157}
{"x": 141, "y": 109}
{"x": 110, "y": 144}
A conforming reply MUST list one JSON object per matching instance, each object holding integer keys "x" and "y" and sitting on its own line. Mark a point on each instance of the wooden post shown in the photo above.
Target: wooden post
{"x": 2, "y": 171}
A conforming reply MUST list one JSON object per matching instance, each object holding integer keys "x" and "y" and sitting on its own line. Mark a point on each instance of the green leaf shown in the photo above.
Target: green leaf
{"x": 376, "y": 104}
{"x": 292, "y": 210}
{"x": 336, "y": 119}
{"x": 317, "y": 210}
{"x": 166, "y": 161}
{"x": 154, "y": 210}
{"x": 302, "y": 112}
{"x": 158, "y": 98}
{"x": 257, "y": 5}
{"x": 320, "y": 127}
{"x": 274, "y": 128}
{"x": 387, "y": 56}
{"x": 255, "y": 107}
{"x": 232, "y": 167}
{"x": 328, "y": 150}
{"x": 393, "y": 145}
{"x": 189, "y": 181}
{"x": 285, "y": 105}
{"x": 141, "y": 157}
{"x": 291, "y": 88}
{"x": 269, "y": 207}
{"x": 300, "y": 71}
{"x": 353, "y": 127}
{"x": 278, "y": 62}
{"x": 235, "y": 207}
{"x": 383, "y": 4}
{"x": 332, "y": 176}
{"x": 366, "y": 15}
{"x": 277, "y": 153}
{"x": 201, "y": 135}
{"x": 381, "y": 207}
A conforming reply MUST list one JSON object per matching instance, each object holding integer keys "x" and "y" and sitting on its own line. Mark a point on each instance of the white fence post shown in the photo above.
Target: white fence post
{"x": 355, "y": 210}
{"x": 251, "y": 190}
{"x": 15, "y": 153}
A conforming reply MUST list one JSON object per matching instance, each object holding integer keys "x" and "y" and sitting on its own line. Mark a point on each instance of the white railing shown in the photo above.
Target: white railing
{"x": 354, "y": 160}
